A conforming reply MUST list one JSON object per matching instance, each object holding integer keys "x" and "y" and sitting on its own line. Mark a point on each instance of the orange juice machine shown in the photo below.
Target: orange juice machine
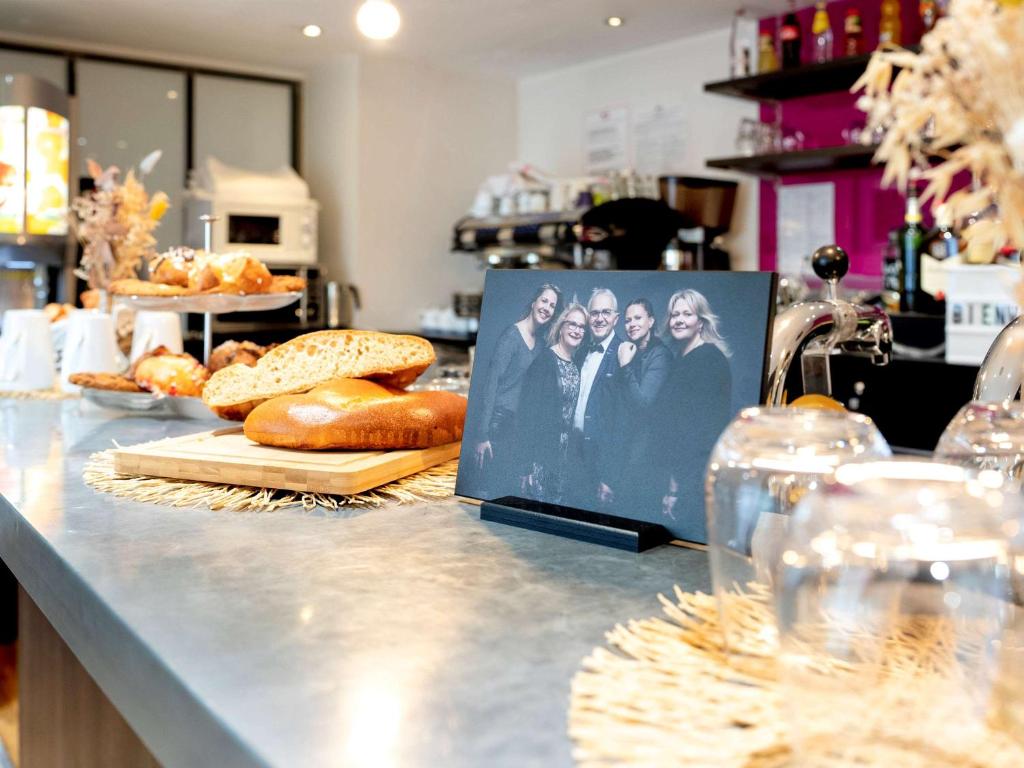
{"x": 35, "y": 150}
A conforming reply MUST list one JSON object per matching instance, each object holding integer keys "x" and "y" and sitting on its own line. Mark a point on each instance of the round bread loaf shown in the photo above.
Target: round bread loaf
{"x": 356, "y": 414}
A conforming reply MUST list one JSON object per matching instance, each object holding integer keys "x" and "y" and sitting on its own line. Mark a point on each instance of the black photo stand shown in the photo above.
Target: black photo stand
{"x": 594, "y": 527}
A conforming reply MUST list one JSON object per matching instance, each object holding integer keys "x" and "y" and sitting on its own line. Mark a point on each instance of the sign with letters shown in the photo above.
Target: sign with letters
{"x": 606, "y": 391}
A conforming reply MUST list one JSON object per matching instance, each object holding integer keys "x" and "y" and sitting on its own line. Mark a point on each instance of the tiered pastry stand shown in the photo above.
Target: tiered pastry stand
{"x": 211, "y": 304}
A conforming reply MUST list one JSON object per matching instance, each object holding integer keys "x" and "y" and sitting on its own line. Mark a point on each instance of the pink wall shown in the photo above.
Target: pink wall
{"x": 864, "y": 212}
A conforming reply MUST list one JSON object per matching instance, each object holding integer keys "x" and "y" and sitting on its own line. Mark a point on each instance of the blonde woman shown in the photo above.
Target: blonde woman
{"x": 514, "y": 352}
{"x": 697, "y": 400}
{"x": 546, "y": 405}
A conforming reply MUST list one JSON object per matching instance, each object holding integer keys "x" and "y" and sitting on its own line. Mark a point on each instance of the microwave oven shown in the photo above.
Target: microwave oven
{"x": 282, "y": 233}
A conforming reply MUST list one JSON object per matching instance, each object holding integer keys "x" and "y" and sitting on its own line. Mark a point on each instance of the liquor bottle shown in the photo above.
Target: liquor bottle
{"x": 940, "y": 245}
{"x": 854, "y": 30}
{"x": 942, "y": 242}
{"x": 741, "y": 36}
{"x": 890, "y": 28}
{"x": 929, "y": 10}
{"x": 911, "y": 237}
{"x": 821, "y": 30}
{"x": 892, "y": 277}
{"x": 767, "y": 61}
{"x": 789, "y": 36}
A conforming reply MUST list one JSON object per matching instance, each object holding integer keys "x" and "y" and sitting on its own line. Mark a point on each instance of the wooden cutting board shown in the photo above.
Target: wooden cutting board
{"x": 227, "y": 456}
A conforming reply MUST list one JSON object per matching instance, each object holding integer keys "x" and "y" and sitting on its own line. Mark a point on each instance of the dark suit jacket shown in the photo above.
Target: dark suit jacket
{"x": 601, "y": 420}
{"x": 641, "y": 384}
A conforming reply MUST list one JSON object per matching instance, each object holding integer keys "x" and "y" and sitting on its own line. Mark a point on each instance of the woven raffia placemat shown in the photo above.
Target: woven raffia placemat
{"x": 39, "y": 394}
{"x": 663, "y": 694}
{"x": 431, "y": 484}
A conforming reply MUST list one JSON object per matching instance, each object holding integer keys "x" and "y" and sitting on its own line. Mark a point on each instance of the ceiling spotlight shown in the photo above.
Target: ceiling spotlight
{"x": 614, "y": 21}
{"x": 378, "y": 19}
{"x": 311, "y": 30}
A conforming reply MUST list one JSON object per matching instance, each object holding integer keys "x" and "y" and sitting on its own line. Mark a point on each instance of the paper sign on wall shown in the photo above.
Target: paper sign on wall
{"x": 806, "y": 221}
{"x": 606, "y": 140}
{"x": 660, "y": 135}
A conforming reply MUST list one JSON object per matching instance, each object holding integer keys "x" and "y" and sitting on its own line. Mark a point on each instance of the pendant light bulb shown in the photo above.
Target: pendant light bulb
{"x": 378, "y": 19}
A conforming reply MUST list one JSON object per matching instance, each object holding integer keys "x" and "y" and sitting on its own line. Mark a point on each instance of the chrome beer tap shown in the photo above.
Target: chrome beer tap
{"x": 814, "y": 330}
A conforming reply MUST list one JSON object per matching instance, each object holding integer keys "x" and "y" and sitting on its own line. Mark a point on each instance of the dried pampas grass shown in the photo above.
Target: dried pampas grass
{"x": 957, "y": 106}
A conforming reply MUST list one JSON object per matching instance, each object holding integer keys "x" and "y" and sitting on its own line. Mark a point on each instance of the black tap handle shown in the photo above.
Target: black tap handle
{"x": 830, "y": 263}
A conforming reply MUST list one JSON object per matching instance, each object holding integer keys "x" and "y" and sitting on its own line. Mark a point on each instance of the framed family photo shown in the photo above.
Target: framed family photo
{"x": 606, "y": 391}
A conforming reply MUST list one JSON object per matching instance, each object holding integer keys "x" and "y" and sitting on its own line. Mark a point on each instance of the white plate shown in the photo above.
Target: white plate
{"x": 145, "y": 402}
{"x": 190, "y": 408}
{"x": 126, "y": 401}
{"x": 217, "y": 303}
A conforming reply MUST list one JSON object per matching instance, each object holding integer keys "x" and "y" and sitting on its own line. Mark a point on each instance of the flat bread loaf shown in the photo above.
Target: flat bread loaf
{"x": 313, "y": 359}
{"x": 356, "y": 414}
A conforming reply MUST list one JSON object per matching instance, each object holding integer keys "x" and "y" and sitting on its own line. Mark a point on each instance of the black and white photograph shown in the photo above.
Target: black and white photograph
{"x": 607, "y": 391}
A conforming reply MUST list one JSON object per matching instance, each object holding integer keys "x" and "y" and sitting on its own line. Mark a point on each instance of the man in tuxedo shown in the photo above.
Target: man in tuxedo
{"x": 592, "y": 448}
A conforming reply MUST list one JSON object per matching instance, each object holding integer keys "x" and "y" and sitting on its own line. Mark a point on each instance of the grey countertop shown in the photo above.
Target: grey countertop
{"x": 403, "y": 636}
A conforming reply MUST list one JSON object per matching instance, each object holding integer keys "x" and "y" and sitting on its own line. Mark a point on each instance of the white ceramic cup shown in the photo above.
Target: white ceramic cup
{"x": 155, "y": 329}
{"x": 26, "y": 353}
{"x": 90, "y": 346}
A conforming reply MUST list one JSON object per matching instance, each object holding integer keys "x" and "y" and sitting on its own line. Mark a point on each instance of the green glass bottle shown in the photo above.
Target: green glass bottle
{"x": 911, "y": 239}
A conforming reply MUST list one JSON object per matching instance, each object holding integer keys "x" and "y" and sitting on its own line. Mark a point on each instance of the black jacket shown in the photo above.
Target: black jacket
{"x": 641, "y": 383}
{"x": 601, "y": 422}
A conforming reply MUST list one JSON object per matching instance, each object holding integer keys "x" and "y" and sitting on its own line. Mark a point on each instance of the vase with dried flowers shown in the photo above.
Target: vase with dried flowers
{"x": 957, "y": 106}
{"x": 115, "y": 223}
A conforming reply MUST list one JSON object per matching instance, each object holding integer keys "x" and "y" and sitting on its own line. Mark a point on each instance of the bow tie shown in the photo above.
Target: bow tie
{"x": 595, "y": 346}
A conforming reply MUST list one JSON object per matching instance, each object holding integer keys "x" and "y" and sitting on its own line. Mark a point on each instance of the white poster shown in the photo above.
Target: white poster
{"x": 606, "y": 140}
{"x": 659, "y": 135}
{"x": 806, "y": 221}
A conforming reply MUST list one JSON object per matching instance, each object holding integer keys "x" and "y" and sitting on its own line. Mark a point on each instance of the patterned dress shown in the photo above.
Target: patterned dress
{"x": 544, "y": 416}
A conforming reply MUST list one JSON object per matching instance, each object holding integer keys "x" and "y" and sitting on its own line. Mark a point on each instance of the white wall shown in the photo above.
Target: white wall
{"x": 552, "y": 108}
{"x": 330, "y": 158}
{"x": 395, "y": 152}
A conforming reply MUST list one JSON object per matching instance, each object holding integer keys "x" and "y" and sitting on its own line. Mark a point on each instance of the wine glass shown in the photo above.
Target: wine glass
{"x": 893, "y": 603}
{"x": 986, "y": 436}
{"x": 762, "y": 465}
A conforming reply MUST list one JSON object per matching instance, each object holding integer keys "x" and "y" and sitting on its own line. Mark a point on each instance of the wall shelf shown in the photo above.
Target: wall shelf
{"x": 839, "y": 158}
{"x": 808, "y": 80}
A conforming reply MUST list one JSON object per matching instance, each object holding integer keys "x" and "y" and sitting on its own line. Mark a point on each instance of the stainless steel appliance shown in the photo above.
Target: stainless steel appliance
{"x": 706, "y": 206}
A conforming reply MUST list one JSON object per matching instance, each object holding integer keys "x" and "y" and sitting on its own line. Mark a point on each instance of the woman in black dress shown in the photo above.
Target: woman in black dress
{"x": 644, "y": 362}
{"x": 517, "y": 347}
{"x": 697, "y": 401}
{"x": 546, "y": 407}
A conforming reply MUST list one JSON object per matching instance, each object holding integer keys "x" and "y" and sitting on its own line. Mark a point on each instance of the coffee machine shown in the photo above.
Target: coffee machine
{"x": 706, "y": 207}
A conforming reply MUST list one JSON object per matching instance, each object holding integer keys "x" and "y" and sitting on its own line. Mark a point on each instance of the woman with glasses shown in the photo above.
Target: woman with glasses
{"x": 644, "y": 362}
{"x": 696, "y": 403}
{"x": 546, "y": 404}
{"x": 516, "y": 349}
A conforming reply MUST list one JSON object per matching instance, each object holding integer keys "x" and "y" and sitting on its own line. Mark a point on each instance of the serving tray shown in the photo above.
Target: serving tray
{"x": 228, "y": 456}
{"x": 217, "y": 303}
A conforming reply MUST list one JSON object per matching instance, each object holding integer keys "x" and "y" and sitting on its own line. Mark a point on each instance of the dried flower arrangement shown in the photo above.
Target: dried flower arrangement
{"x": 957, "y": 106}
{"x": 115, "y": 223}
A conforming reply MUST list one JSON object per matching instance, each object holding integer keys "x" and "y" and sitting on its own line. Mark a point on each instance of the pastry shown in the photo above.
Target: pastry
{"x": 231, "y": 352}
{"x": 109, "y": 381}
{"x": 172, "y": 267}
{"x": 232, "y": 273}
{"x": 170, "y": 374}
{"x": 55, "y": 312}
{"x": 313, "y": 359}
{"x": 355, "y": 414}
{"x": 135, "y": 287}
{"x": 287, "y": 284}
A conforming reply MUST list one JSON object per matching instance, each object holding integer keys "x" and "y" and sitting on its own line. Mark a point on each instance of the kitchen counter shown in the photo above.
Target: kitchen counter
{"x": 406, "y": 636}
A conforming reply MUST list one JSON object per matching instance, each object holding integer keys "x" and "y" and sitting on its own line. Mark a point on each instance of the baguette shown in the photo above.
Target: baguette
{"x": 313, "y": 359}
{"x": 355, "y": 414}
